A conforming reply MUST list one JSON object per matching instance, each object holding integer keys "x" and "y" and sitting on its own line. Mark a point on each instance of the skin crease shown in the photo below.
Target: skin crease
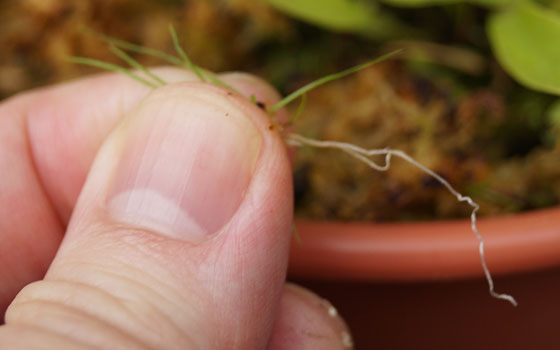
{"x": 102, "y": 285}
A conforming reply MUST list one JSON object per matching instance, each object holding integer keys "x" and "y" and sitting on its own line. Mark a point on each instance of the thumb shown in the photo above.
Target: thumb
{"x": 180, "y": 236}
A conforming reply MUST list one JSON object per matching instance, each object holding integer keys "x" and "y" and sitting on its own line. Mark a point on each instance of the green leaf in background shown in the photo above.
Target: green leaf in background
{"x": 491, "y": 3}
{"x": 526, "y": 41}
{"x": 350, "y": 16}
{"x": 343, "y": 15}
{"x": 421, "y": 3}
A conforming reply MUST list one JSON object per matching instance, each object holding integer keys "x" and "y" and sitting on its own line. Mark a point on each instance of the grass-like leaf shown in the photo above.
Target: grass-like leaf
{"x": 135, "y": 64}
{"x": 186, "y": 61}
{"x": 215, "y": 80}
{"x": 111, "y": 67}
{"x": 123, "y": 44}
{"x": 314, "y": 84}
{"x": 202, "y": 73}
{"x": 300, "y": 108}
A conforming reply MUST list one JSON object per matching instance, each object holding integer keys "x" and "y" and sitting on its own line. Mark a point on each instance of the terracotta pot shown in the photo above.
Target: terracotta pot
{"x": 420, "y": 285}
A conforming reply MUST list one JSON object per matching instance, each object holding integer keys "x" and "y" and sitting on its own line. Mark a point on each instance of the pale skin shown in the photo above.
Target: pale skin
{"x": 116, "y": 286}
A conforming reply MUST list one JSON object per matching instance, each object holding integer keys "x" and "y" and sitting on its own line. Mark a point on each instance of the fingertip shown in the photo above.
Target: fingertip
{"x": 251, "y": 85}
{"x": 307, "y": 321}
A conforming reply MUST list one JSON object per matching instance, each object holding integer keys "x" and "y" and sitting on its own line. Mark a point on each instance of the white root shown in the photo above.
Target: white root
{"x": 363, "y": 154}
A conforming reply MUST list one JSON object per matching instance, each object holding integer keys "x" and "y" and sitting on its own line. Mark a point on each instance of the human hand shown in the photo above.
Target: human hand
{"x": 180, "y": 202}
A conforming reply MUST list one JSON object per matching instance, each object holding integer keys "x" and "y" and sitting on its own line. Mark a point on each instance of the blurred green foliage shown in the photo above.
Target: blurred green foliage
{"x": 345, "y": 16}
{"x": 526, "y": 40}
{"x": 523, "y": 34}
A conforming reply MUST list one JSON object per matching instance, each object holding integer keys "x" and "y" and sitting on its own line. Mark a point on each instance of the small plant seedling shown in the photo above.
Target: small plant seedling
{"x": 147, "y": 78}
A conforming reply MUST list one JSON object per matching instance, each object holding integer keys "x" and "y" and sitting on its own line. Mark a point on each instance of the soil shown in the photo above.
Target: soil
{"x": 489, "y": 137}
{"x": 465, "y": 139}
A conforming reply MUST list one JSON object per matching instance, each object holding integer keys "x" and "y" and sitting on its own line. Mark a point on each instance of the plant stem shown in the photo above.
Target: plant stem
{"x": 314, "y": 84}
{"x": 135, "y": 64}
{"x": 111, "y": 67}
{"x": 136, "y": 48}
{"x": 186, "y": 61}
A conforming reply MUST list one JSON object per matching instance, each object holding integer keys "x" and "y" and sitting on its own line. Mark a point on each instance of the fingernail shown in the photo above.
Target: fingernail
{"x": 329, "y": 318}
{"x": 185, "y": 165}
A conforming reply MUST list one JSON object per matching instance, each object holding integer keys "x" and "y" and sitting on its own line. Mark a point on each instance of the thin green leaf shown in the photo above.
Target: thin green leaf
{"x": 111, "y": 67}
{"x": 183, "y": 55}
{"x": 161, "y": 55}
{"x": 215, "y": 80}
{"x": 253, "y": 99}
{"x": 314, "y": 84}
{"x": 136, "y": 48}
{"x": 135, "y": 64}
{"x": 300, "y": 108}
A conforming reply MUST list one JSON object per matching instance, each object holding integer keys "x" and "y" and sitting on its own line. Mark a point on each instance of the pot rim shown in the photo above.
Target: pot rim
{"x": 423, "y": 251}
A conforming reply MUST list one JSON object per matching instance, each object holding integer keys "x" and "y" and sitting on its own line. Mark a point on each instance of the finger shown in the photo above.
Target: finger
{"x": 307, "y": 322}
{"x": 67, "y": 124}
{"x": 48, "y": 139}
{"x": 180, "y": 235}
{"x": 265, "y": 95}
